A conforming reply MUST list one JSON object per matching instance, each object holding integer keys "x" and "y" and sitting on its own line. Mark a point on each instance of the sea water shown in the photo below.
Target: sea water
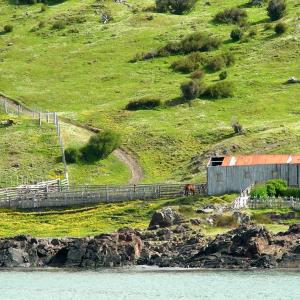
{"x": 148, "y": 284}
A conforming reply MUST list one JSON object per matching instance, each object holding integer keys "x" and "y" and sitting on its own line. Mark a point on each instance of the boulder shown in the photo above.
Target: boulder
{"x": 165, "y": 217}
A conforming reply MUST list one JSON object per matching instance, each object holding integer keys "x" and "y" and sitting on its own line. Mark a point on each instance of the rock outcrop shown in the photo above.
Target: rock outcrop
{"x": 165, "y": 217}
{"x": 247, "y": 246}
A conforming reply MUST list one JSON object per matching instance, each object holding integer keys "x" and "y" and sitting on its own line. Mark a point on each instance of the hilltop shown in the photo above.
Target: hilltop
{"x": 65, "y": 59}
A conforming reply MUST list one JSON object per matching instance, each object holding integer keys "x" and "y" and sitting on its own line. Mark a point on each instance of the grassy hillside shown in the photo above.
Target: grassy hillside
{"x": 28, "y": 152}
{"x": 83, "y": 71}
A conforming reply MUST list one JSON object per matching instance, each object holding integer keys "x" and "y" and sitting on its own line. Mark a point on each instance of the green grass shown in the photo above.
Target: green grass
{"x": 28, "y": 152}
{"x": 87, "y": 76}
{"x": 102, "y": 218}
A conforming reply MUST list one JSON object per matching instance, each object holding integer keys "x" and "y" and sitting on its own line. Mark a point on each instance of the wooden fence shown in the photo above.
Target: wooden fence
{"x": 10, "y": 106}
{"x": 272, "y": 202}
{"x": 64, "y": 196}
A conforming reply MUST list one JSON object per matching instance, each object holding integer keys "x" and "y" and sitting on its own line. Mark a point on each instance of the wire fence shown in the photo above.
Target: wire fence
{"x": 10, "y": 106}
{"x": 60, "y": 194}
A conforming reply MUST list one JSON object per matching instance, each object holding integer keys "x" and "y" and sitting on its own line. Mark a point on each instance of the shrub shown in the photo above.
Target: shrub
{"x": 291, "y": 192}
{"x": 72, "y": 155}
{"x": 199, "y": 42}
{"x": 145, "y": 103}
{"x": 236, "y": 34}
{"x": 185, "y": 65}
{"x": 101, "y": 145}
{"x": 231, "y": 15}
{"x": 59, "y": 24}
{"x": 259, "y": 191}
{"x": 198, "y": 75}
{"x": 217, "y": 63}
{"x": 226, "y": 220}
{"x": 280, "y": 28}
{"x": 41, "y": 24}
{"x": 223, "y": 75}
{"x": 276, "y": 187}
{"x": 256, "y": 2}
{"x": 223, "y": 89}
{"x": 8, "y": 28}
{"x": 44, "y": 7}
{"x": 276, "y": 9}
{"x": 190, "y": 63}
{"x": 175, "y": 6}
{"x": 236, "y": 126}
{"x": 190, "y": 90}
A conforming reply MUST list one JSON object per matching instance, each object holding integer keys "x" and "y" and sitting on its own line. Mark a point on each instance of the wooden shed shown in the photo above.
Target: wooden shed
{"x": 228, "y": 174}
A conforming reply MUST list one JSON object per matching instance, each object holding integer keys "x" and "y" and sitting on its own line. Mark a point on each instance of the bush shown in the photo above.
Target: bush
{"x": 236, "y": 34}
{"x": 276, "y": 187}
{"x": 185, "y": 65}
{"x": 145, "y": 103}
{"x": 198, "y": 75}
{"x": 226, "y": 220}
{"x": 44, "y": 7}
{"x": 259, "y": 191}
{"x": 231, "y": 15}
{"x": 217, "y": 63}
{"x": 8, "y": 28}
{"x": 101, "y": 145}
{"x": 236, "y": 126}
{"x": 175, "y": 6}
{"x": 72, "y": 155}
{"x": 190, "y": 90}
{"x": 276, "y": 9}
{"x": 223, "y": 89}
{"x": 223, "y": 75}
{"x": 190, "y": 63}
{"x": 291, "y": 192}
{"x": 280, "y": 28}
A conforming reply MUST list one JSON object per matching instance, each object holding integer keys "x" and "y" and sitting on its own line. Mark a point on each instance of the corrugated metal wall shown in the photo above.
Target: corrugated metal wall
{"x": 222, "y": 180}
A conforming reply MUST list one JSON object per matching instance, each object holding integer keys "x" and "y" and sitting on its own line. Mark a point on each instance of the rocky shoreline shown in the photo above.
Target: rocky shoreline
{"x": 173, "y": 243}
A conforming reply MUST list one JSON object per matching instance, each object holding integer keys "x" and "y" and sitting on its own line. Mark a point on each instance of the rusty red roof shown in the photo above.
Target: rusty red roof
{"x": 261, "y": 159}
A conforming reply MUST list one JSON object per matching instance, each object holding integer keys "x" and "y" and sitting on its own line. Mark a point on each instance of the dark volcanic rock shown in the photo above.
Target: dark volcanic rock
{"x": 165, "y": 217}
{"x": 248, "y": 246}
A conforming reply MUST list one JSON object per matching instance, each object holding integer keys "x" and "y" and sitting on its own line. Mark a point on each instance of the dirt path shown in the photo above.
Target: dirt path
{"x": 125, "y": 157}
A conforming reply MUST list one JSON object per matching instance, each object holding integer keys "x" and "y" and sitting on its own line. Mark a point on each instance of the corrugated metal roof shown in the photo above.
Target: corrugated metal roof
{"x": 261, "y": 159}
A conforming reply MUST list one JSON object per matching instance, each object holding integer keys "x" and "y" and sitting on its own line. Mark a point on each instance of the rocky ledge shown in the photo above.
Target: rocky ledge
{"x": 177, "y": 245}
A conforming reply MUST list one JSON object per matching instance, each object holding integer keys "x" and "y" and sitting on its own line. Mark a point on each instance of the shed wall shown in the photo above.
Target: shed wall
{"x": 229, "y": 179}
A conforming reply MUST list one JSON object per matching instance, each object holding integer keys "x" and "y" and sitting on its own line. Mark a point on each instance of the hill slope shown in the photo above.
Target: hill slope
{"x": 83, "y": 71}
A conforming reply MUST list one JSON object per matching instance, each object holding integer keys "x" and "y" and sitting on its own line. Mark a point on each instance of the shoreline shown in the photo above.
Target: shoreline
{"x": 245, "y": 248}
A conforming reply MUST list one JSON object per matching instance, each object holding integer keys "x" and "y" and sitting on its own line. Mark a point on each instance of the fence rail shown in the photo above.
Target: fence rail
{"x": 286, "y": 202}
{"x": 10, "y": 106}
{"x": 64, "y": 195}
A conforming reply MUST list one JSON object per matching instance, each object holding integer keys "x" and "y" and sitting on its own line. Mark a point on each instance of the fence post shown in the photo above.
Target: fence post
{"x": 40, "y": 119}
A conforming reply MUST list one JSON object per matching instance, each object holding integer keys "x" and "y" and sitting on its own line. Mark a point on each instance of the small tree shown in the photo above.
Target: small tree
{"x": 72, "y": 155}
{"x": 177, "y": 7}
{"x": 190, "y": 90}
{"x": 223, "y": 75}
{"x": 280, "y": 28}
{"x": 101, "y": 145}
{"x": 276, "y": 9}
{"x": 8, "y": 28}
{"x": 236, "y": 34}
{"x": 236, "y": 126}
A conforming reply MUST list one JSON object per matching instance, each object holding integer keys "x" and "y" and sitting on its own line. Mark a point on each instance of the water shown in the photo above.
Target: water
{"x": 145, "y": 284}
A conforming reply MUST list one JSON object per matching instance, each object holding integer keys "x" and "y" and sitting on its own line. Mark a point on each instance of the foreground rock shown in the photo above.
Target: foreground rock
{"x": 248, "y": 246}
{"x": 165, "y": 217}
